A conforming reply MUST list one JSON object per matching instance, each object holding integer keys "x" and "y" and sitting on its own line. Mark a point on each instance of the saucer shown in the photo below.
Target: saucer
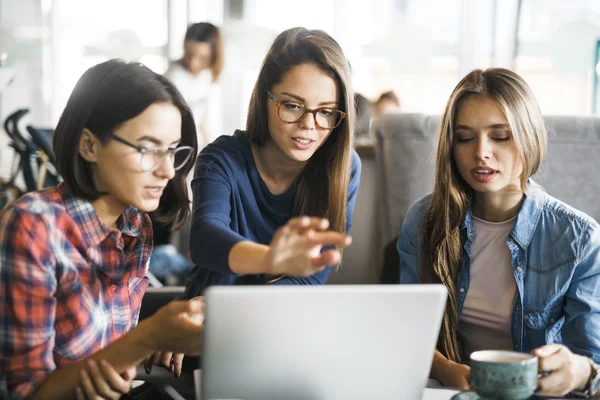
{"x": 471, "y": 395}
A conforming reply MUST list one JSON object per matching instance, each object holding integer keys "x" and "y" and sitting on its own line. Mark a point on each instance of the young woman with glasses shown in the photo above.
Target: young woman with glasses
{"x": 73, "y": 258}
{"x": 255, "y": 191}
{"x": 273, "y": 204}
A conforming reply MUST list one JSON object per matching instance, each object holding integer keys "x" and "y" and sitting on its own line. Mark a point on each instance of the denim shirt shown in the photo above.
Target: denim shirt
{"x": 555, "y": 256}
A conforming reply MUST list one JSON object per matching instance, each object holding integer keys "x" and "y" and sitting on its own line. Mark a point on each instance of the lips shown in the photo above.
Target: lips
{"x": 301, "y": 143}
{"x": 302, "y": 140}
{"x": 154, "y": 191}
{"x": 484, "y": 173}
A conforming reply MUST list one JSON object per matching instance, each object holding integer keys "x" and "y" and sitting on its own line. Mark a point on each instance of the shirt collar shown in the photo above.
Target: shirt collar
{"x": 94, "y": 230}
{"x": 527, "y": 219}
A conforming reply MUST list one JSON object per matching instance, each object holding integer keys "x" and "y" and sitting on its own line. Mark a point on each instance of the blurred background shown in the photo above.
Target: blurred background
{"x": 417, "y": 48}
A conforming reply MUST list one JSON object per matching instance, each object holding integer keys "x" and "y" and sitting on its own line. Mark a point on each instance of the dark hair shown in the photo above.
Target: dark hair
{"x": 323, "y": 184}
{"x": 106, "y": 96}
{"x": 362, "y": 105}
{"x": 389, "y": 95}
{"x": 207, "y": 32}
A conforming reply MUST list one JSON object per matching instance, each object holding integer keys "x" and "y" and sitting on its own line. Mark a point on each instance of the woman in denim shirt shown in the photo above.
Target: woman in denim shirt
{"x": 522, "y": 268}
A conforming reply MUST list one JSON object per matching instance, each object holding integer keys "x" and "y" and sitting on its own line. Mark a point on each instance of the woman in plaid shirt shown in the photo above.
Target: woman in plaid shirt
{"x": 73, "y": 258}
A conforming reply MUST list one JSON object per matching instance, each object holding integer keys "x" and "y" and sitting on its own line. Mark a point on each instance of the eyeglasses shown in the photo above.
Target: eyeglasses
{"x": 291, "y": 112}
{"x": 153, "y": 157}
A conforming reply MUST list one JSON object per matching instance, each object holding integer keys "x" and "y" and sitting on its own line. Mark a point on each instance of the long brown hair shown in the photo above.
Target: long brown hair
{"x": 323, "y": 184}
{"x": 442, "y": 247}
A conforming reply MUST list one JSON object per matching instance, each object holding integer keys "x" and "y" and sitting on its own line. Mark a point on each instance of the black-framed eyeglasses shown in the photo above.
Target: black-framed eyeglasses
{"x": 153, "y": 157}
{"x": 291, "y": 112}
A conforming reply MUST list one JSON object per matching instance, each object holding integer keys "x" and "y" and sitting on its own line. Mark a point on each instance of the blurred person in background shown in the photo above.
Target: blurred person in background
{"x": 364, "y": 112}
{"x": 196, "y": 76}
{"x": 387, "y": 102}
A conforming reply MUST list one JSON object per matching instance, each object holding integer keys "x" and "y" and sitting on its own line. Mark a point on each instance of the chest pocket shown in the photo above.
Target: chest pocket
{"x": 546, "y": 282}
{"x": 542, "y": 326}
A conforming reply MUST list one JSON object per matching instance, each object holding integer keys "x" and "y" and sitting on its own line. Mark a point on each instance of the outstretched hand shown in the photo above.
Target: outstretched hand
{"x": 296, "y": 247}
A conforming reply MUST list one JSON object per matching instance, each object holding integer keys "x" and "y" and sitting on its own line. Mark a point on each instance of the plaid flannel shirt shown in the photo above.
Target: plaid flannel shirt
{"x": 69, "y": 285}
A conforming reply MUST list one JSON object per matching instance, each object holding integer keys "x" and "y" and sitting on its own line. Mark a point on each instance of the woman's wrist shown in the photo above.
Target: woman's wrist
{"x": 584, "y": 374}
{"x": 439, "y": 366}
{"x": 145, "y": 336}
{"x": 247, "y": 257}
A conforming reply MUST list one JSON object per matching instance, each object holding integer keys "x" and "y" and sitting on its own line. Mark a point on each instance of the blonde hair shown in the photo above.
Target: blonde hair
{"x": 442, "y": 248}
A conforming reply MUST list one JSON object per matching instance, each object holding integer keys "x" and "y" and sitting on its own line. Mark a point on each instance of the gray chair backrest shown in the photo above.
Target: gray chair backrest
{"x": 405, "y": 155}
{"x": 406, "y": 144}
{"x": 570, "y": 171}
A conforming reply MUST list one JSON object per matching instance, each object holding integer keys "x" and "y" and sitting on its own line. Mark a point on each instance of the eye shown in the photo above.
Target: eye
{"x": 463, "y": 139}
{"x": 502, "y": 139}
{"x": 326, "y": 112}
{"x": 292, "y": 106}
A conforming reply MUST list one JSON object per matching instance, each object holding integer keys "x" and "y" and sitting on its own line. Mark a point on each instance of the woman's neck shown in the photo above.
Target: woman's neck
{"x": 497, "y": 207}
{"x": 276, "y": 169}
{"x": 108, "y": 210}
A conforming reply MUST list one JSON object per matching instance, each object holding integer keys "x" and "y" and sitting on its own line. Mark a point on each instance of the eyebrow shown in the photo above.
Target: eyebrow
{"x": 493, "y": 126}
{"x": 323, "y": 103}
{"x": 154, "y": 140}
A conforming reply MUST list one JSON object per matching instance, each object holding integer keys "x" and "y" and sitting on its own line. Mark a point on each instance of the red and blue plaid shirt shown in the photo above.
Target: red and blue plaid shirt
{"x": 69, "y": 285}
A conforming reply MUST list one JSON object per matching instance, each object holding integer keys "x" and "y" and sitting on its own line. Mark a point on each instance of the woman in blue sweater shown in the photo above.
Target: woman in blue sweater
{"x": 273, "y": 204}
{"x": 253, "y": 190}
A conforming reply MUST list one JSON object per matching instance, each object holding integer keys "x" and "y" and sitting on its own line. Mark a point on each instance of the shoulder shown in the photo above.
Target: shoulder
{"x": 355, "y": 170}
{"x": 356, "y": 164}
{"x": 47, "y": 202}
{"x": 563, "y": 217}
{"x": 34, "y": 216}
{"x": 234, "y": 148}
{"x": 228, "y": 154}
{"x": 415, "y": 215}
{"x": 563, "y": 226}
{"x": 416, "y": 212}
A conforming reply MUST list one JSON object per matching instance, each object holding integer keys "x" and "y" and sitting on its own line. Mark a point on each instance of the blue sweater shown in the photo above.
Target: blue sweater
{"x": 233, "y": 204}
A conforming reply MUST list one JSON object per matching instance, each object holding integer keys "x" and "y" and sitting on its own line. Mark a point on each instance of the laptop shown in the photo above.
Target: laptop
{"x": 333, "y": 342}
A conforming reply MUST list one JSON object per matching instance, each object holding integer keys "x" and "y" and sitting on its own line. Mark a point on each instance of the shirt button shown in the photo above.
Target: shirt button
{"x": 520, "y": 269}
{"x": 113, "y": 287}
{"x": 552, "y": 320}
{"x": 462, "y": 289}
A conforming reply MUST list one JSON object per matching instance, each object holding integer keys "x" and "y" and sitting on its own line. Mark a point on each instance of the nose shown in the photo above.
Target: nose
{"x": 166, "y": 170}
{"x": 307, "y": 121}
{"x": 483, "y": 150}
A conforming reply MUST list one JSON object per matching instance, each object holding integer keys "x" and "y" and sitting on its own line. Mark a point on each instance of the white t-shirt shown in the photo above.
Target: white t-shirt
{"x": 204, "y": 99}
{"x": 485, "y": 321}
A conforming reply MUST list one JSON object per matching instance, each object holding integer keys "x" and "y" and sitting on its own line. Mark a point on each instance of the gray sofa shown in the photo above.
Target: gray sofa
{"x": 401, "y": 169}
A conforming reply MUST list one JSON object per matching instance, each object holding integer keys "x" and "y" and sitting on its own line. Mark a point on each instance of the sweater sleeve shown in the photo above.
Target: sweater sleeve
{"x": 211, "y": 238}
